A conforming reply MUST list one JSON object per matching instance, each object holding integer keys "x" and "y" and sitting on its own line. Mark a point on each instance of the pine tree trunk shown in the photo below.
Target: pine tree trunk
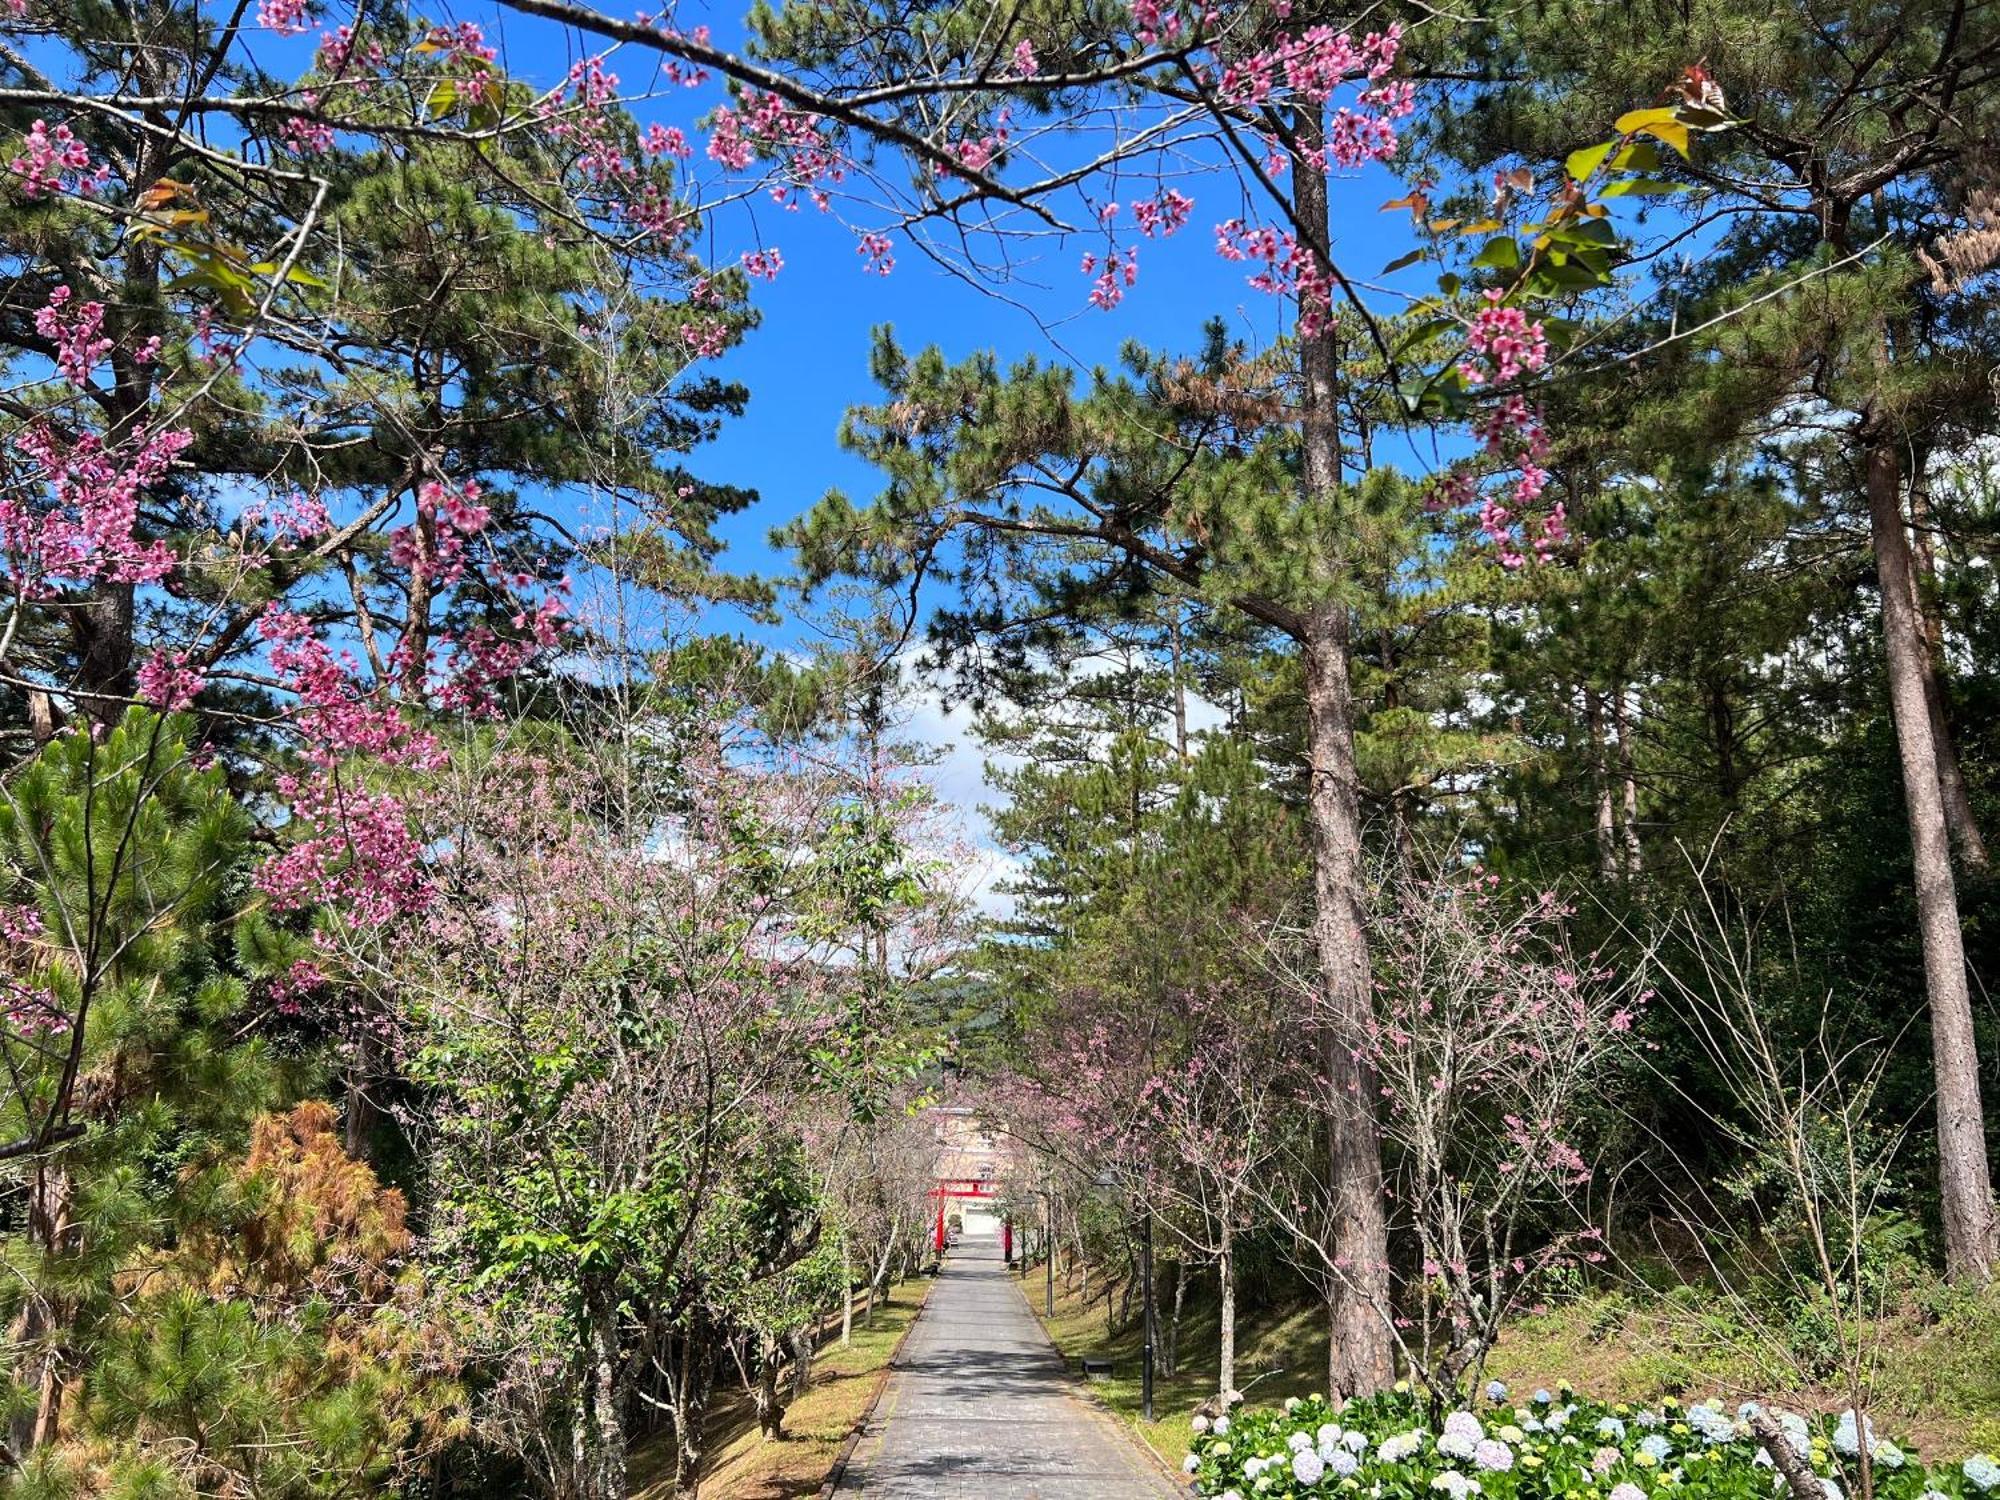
{"x": 1360, "y": 1261}
{"x": 1635, "y": 863}
{"x": 1971, "y": 1233}
{"x": 1959, "y": 821}
{"x": 1600, "y": 781}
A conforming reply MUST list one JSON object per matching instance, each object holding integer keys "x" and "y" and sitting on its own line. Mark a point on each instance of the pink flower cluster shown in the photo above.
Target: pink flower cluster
{"x": 28, "y": 1008}
{"x": 53, "y": 161}
{"x": 1507, "y": 344}
{"x": 579, "y": 113}
{"x": 1502, "y": 345}
{"x": 335, "y": 716}
{"x": 1163, "y": 215}
{"x": 169, "y": 681}
{"x": 303, "y": 137}
{"x": 434, "y": 548}
{"x": 286, "y": 17}
{"x": 763, "y": 264}
{"x": 1288, "y": 268}
{"x": 1311, "y": 66}
{"x": 358, "y": 854}
{"x": 78, "y": 336}
{"x": 876, "y": 250}
{"x": 802, "y": 142}
{"x": 85, "y": 529}
{"x": 1119, "y": 273}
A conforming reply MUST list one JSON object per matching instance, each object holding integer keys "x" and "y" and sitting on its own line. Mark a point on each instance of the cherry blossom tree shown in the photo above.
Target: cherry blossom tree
{"x": 1493, "y": 1046}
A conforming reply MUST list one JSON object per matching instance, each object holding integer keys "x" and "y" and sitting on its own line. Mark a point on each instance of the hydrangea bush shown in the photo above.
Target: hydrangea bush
{"x": 1552, "y": 1446}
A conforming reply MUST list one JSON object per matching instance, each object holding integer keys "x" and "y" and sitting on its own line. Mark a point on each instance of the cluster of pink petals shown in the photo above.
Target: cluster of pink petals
{"x": 1502, "y": 345}
{"x": 286, "y": 17}
{"x": 1312, "y": 66}
{"x": 802, "y": 142}
{"x": 1115, "y": 273}
{"x": 77, "y": 334}
{"x": 1161, "y": 216}
{"x": 357, "y": 853}
{"x": 303, "y": 137}
{"x": 1288, "y": 268}
{"x": 875, "y": 249}
{"x": 55, "y": 161}
{"x": 336, "y": 716}
{"x": 434, "y": 548}
{"x": 84, "y": 529}
{"x": 169, "y": 681}
{"x": 579, "y": 114}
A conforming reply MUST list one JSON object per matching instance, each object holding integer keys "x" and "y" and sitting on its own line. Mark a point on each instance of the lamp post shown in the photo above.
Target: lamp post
{"x": 1107, "y": 1178}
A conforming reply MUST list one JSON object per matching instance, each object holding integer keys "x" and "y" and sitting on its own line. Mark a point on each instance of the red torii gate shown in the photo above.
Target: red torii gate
{"x": 977, "y": 1189}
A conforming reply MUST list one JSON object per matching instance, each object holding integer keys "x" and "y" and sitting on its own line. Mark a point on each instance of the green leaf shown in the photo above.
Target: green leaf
{"x": 1403, "y": 260}
{"x": 1588, "y": 159}
{"x": 1500, "y": 253}
{"x": 1424, "y": 332}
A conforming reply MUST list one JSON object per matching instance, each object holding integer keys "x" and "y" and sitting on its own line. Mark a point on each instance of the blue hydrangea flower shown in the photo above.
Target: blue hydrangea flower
{"x": 1847, "y": 1435}
{"x": 1543, "y": 1398}
{"x": 1611, "y": 1427}
{"x": 1656, "y": 1447}
{"x": 1496, "y": 1391}
{"x": 1981, "y": 1472}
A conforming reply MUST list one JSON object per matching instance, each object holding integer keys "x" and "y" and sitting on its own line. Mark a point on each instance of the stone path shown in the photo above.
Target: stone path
{"x": 979, "y": 1405}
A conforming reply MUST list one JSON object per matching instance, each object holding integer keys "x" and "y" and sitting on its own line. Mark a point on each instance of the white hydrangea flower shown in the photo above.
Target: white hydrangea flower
{"x": 1200, "y": 1424}
{"x": 1307, "y": 1466}
{"x": 1298, "y": 1442}
{"x": 1190, "y": 1464}
{"x": 1221, "y": 1426}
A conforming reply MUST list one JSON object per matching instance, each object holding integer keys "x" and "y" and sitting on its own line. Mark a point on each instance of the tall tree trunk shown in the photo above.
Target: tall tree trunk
{"x": 1600, "y": 781}
{"x": 607, "y": 1411}
{"x": 1971, "y": 1232}
{"x": 1635, "y": 862}
{"x": 1170, "y": 1346}
{"x": 846, "y": 1294}
{"x": 46, "y": 1322}
{"x": 1959, "y": 821}
{"x": 1225, "y": 1270}
{"x": 802, "y": 1360}
{"x": 1364, "y": 1359}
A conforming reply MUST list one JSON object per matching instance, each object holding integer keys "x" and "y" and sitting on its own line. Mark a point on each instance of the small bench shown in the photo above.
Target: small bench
{"x": 1096, "y": 1369}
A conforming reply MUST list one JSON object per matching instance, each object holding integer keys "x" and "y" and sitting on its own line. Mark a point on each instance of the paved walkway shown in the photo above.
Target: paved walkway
{"x": 979, "y": 1405}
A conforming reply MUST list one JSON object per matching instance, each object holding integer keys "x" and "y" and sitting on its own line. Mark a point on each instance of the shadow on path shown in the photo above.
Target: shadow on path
{"x": 979, "y": 1404}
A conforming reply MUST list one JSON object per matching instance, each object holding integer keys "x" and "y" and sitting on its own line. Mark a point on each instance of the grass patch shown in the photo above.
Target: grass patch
{"x": 741, "y": 1465}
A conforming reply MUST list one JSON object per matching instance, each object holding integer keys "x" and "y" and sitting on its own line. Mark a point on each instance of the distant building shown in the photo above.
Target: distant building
{"x": 971, "y": 1165}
